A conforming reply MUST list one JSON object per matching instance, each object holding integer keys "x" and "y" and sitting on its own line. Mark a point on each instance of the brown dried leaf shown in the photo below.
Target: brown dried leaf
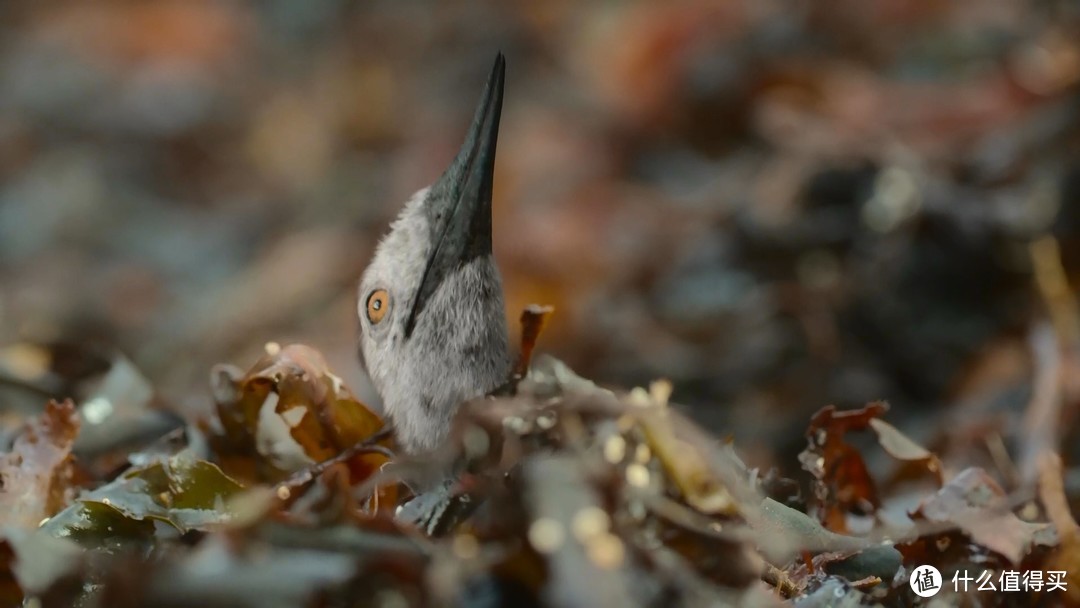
{"x": 901, "y": 447}
{"x": 976, "y": 504}
{"x": 942, "y": 549}
{"x": 843, "y": 482}
{"x": 289, "y": 412}
{"x": 36, "y": 475}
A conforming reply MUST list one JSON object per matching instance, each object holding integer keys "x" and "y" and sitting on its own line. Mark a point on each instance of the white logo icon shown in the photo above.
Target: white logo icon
{"x": 925, "y": 581}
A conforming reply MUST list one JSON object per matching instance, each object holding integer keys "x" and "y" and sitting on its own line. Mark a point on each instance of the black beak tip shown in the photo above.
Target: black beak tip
{"x": 459, "y": 202}
{"x": 469, "y": 177}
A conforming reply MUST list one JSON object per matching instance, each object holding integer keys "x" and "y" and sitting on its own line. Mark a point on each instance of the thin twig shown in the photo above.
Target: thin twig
{"x": 1052, "y": 494}
{"x": 1040, "y": 426}
{"x": 368, "y": 446}
{"x": 777, "y": 578}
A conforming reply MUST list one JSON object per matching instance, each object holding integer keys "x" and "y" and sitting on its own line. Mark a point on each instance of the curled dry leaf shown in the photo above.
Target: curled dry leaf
{"x": 288, "y": 412}
{"x": 901, "y": 447}
{"x": 36, "y": 475}
{"x": 975, "y": 503}
{"x": 843, "y": 483}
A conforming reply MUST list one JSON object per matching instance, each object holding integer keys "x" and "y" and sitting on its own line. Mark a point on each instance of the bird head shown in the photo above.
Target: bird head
{"x": 432, "y": 322}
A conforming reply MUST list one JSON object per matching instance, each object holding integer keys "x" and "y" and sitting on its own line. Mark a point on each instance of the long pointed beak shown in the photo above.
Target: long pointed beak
{"x": 458, "y": 205}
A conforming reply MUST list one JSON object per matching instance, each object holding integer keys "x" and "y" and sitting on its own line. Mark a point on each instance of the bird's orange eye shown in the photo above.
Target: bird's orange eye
{"x": 377, "y": 305}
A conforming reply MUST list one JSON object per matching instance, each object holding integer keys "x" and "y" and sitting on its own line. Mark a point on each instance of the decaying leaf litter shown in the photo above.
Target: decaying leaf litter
{"x": 571, "y": 495}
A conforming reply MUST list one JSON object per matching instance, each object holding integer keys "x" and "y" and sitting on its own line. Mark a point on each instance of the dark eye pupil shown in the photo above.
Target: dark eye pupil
{"x": 377, "y": 304}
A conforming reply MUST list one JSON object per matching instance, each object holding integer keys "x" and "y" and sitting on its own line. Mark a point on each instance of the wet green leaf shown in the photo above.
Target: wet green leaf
{"x": 181, "y": 491}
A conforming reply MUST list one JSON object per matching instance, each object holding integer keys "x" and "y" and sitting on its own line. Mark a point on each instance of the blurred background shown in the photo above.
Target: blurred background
{"x": 775, "y": 204}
